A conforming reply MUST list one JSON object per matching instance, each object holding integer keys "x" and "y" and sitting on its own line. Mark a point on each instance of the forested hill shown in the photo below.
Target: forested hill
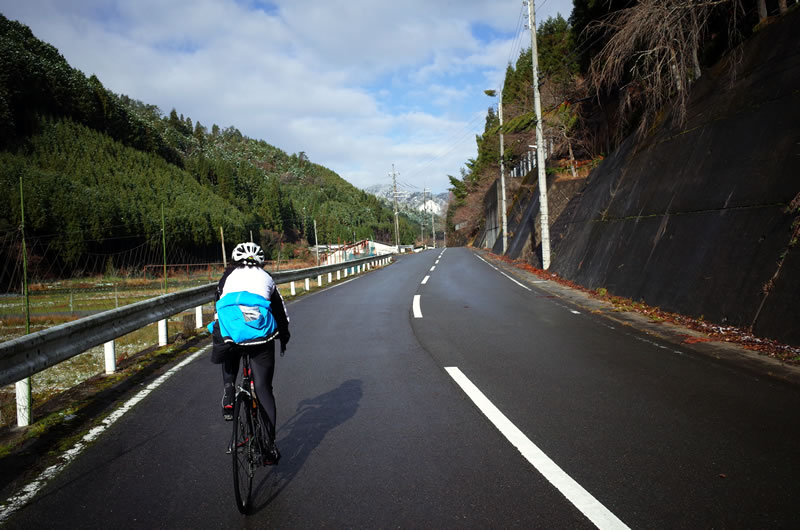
{"x": 97, "y": 167}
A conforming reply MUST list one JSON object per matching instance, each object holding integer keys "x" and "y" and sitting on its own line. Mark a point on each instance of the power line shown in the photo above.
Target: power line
{"x": 465, "y": 134}
{"x": 518, "y": 34}
{"x": 467, "y": 130}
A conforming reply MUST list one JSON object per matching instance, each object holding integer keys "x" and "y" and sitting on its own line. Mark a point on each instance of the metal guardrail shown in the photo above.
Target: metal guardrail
{"x": 24, "y": 356}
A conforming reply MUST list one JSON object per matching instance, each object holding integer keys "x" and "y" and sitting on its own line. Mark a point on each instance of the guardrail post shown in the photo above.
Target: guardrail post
{"x": 111, "y": 357}
{"x": 24, "y": 402}
{"x": 308, "y": 286}
{"x": 330, "y": 277}
{"x": 292, "y": 289}
{"x": 319, "y": 280}
{"x": 339, "y": 275}
{"x": 162, "y": 332}
{"x": 198, "y": 317}
{"x": 345, "y": 272}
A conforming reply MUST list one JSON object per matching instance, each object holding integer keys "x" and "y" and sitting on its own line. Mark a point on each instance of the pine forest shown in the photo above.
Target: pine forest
{"x": 97, "y": 170}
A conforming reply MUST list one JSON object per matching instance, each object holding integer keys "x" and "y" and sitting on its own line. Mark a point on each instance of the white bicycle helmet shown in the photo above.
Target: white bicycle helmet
{"x": 248, "y": 253}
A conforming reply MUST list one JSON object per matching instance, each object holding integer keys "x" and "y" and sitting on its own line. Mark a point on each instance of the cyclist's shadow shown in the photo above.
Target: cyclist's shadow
{"x": 303, "y": 432}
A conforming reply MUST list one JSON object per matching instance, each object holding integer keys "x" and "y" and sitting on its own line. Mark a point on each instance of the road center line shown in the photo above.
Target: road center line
{"x": 433, "y": 268}
{"x": 416, "y": 308}
{"x": 30, "y": 490}
{"x": 574, "y": 492}
{"x": 425, "y": 280}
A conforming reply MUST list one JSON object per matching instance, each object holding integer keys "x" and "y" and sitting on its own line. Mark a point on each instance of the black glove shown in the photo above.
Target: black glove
{"x": 284, "y": 338}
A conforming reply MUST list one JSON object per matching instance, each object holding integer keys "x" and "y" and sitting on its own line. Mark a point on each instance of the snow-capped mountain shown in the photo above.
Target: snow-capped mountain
{"x": 408, "y": 200}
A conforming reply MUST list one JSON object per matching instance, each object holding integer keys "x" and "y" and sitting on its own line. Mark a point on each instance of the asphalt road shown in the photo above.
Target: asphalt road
{"x": 614, "y": 427}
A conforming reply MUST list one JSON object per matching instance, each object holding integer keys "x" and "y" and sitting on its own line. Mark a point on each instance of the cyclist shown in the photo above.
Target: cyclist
{"x": 250, "y": 316}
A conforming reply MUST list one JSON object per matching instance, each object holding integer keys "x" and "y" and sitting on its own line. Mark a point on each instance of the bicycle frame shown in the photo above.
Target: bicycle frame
{"x": 246, "y": 438}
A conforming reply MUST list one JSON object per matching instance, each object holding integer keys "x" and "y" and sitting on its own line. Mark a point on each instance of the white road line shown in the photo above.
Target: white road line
{"x": 574, "y": 492}
{"x": 515, "y": 281}
{"x": 503, "y": 273}
{"x": 433, "y": 268}
{"x": 574, "y": 312}
{"x": 415, "y": 307}
{"x": 425, "y": 280}
{"x": 486, "y": 262}
{"x": 29, "y": 491}
{"x": 342, "y": 283}
{"x": 437, "y": 262}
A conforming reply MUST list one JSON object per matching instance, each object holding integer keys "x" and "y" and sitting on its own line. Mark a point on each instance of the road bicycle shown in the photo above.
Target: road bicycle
{"x": 250, "y": 445}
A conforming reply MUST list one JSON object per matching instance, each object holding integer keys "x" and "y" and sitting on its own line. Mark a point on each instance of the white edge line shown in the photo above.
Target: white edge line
{"x": 415, "y": 307}
{"x": 515, "y": 281}
{"x": 31, "y": 489}
{"x": 486, "y": 262}
{"x": 503, "y": 273}
{"x": 425, "y": 280}
{"x": 337, "y": 284}
{"x": 574, "y": 492}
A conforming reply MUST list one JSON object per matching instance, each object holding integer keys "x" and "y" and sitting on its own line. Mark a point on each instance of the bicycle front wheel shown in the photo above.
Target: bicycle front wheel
{"x": 243, "y": 452}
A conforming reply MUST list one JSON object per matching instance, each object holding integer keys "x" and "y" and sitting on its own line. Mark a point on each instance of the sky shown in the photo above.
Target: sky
{"x": 358, "y": 85}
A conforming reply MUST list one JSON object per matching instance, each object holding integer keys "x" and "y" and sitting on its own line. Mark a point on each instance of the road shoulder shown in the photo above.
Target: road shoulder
{"x": 686, "y": 338}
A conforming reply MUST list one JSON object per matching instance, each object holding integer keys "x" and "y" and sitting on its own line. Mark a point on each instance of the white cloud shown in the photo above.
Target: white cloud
{"x": 356, "y": 84}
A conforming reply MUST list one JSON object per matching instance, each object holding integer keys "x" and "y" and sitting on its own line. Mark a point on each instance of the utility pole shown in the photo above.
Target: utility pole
{"x": 424, "y": 211}
{"x": 503, "y": 175}
{"x": 222, "y": 240}
{"x": 540, "y": 147}
{"x": 316, "y": 241}
{"x": 396, "y": 222}
{"x": 23, "y": 387}
{"x": 164, "y": 245}
{"x": 433, "y": 230}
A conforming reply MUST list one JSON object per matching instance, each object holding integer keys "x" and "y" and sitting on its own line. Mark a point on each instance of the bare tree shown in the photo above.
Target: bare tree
{"x": 562, "y": 121}
{"x": 653, "y": 48}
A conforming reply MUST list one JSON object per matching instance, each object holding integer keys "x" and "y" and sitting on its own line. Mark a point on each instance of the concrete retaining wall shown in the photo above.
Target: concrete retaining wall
{"x": 696, "y": 220}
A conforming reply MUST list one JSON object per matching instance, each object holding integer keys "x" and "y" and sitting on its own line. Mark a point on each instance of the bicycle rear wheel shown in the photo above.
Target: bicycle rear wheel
{"x": 243, "y": 450}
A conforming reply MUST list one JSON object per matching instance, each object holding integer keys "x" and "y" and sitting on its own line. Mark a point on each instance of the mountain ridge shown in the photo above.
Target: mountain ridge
{"x": 412, "y": 201}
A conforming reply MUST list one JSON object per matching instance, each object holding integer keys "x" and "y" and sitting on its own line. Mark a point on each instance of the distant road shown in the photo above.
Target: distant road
{"x": 439, "y": 392}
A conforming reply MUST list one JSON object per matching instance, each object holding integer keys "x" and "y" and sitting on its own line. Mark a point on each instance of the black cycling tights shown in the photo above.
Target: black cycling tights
{"x": 262, "y": 363}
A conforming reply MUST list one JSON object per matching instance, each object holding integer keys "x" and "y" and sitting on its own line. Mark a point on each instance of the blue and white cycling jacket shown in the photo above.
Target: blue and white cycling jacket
{"x": 250, "y": 311}
{"x": 245, "y": 318}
